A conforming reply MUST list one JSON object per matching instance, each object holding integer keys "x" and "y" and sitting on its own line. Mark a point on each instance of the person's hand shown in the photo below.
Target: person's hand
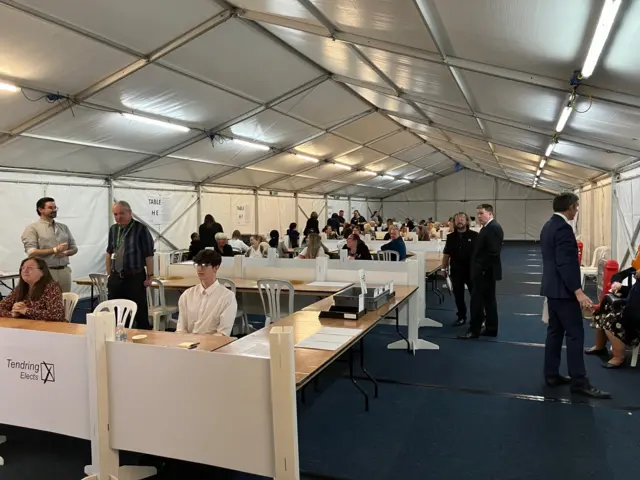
{"x": 62, "y": 247}
{"x": 147, "y": 282}
{"x": 19, "y": 308}
{"x": 585, "y": 302}
{"x": 443, "y": 272}
{"x": 61, "y": 254}
{"x": 615, "y": 287}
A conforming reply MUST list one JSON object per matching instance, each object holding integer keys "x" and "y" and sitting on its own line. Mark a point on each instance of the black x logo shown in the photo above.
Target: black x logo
{"x": 48, "y": 372}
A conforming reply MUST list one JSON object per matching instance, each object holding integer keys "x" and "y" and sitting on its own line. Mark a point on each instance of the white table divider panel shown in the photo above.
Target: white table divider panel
{"x": 420, "y": 257}
{"x": 283, "y": 269}
{"x": 412, "y": 246}
{"x": 283, "y": 400}
{"x": 44, "y": 368}
{"x": 321, "y": 268}
{"x": 105, "y": 461}
{"x": 221, "y": 416}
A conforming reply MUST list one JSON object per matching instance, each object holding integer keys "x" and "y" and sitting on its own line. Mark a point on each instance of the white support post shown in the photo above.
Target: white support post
{"x": 614, "y": 220}
{"x": 422, "y": 293}
{"x": 105, "y": 462}
{"x": 238, "y": 266}
{"x": 283, "y": 401}
{"x": 199, "y": 207}
{"x": 415, "y": 309}
{"x": 322, "y": 265}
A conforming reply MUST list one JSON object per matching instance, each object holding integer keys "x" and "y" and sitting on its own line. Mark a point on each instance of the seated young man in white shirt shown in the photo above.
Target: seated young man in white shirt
{"x": 210, "y": 307}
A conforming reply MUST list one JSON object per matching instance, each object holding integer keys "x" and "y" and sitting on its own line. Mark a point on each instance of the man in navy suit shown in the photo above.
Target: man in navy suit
{"x": 561, "y": 284}
{"x": 486, "y": 270}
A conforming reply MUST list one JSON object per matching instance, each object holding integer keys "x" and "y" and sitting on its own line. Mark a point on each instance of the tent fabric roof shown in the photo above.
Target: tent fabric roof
{"x": 369, "y": 89}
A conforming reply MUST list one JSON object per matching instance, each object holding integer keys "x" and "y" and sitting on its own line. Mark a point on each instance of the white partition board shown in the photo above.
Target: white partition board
{"x": 431, "y": 246}
{"x": 376, "y": 272}
{"x": 202, "y": 407}
{"x": 44, "y": 381}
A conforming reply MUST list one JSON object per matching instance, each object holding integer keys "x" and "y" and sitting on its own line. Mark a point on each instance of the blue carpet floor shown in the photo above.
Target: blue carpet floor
{"x": 472, "y": 410}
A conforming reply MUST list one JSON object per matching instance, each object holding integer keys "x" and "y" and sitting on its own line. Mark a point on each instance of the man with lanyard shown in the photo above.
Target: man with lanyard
{"x": 52, "y": 241}
{"x": 457, "y": 254}
{"x": 129, "y": 251}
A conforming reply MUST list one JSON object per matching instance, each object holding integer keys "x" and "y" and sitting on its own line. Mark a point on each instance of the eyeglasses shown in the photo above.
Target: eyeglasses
{"x": 201, "y": 265}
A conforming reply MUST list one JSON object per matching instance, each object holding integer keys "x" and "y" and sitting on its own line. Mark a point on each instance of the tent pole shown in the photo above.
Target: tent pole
{"x": 614, "y": 219}
{"x": 199, "y": 207}
{"x": 256, "y": 217}
{"x": 111, "y": 201}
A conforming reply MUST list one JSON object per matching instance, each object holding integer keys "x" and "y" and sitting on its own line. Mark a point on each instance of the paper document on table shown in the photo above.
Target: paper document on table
{"x": 328, "y": 338}
{"x": 329, "y": 284}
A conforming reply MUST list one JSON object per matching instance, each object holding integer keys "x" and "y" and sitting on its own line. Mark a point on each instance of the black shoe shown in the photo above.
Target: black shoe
{"x": 557, "y": 381}
{"x": 488, "y": 333}
{"x": 589, "y": 390}
{"x": 460, "y": 321}
{"x": 601, "y": 352}
{"x": 469, "y": 336}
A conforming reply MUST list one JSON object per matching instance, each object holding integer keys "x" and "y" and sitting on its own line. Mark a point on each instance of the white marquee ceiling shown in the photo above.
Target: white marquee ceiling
{"x": 375, "y": 96}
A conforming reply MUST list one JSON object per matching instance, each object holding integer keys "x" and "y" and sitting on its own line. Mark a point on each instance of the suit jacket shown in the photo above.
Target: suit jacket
{"x": 560, "y": 265}
{"x": 485, "y": 260}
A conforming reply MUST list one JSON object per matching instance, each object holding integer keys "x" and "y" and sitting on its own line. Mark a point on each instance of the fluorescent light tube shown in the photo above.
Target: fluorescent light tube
{"x": 306, "y": 157}
{"x": 153, "y": 121}
{"x": 564, "y": 116}
{"x": 550, "y": 148}
{"x": 7, "y": 87}
{"x": 404, "y": 180}
{"x": 607, "y": 17}
{"x": 257, "y": 146}
{"x": 538, "y": 173}
{"x": 388, "y": 177}
{"x": 543, "y": 162}
{"x": 344, "y": 167}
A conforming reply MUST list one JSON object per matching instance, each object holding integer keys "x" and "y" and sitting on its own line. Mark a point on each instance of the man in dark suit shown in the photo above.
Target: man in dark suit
{"x": 486, "y": 270}
{"x": 561, "y": 284}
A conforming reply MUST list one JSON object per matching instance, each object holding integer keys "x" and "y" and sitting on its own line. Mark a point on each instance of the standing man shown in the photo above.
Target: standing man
{"x": 561, "y": 284}
{"x": 129, "y": 252}
{"x": 457, "y": 255}
{"x": 52, "y": 241}
{"x": 341, "y": 218}
{"x": 486, "y": 270}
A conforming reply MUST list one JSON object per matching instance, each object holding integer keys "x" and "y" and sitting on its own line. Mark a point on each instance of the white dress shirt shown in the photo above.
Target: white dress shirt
{"x": 207, "y": 311}
{"x": 239, "y": 245}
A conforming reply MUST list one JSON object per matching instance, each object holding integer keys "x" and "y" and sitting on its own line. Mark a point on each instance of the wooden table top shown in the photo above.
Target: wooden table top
{"x": 309, "y": 362}
{"x": 166, "y": 339}
{"x": 246, "y": 285}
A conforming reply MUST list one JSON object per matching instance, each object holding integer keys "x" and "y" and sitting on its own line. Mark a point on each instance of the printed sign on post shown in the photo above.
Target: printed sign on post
{"x": 159, "y": 211}
{"x": 243, "y": 215}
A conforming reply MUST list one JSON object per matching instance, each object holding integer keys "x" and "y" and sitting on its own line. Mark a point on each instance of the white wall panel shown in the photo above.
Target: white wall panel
{"x": 447, "y": 208}
{"x": 337, "y": 204}
{"x": 361, "y": 206}
{"x": 422, "y": 193}
{"x": 537, "y": 212}
{"x": 510, "y": 214}
{"x": 311, "y": 204}
{"x": 276, "y": 213}
{"x": 223, "y": 206}
{"x": 415, "y": 210}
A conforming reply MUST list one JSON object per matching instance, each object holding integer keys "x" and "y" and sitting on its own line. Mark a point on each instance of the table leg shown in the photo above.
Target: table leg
{"x": 92, "y": 296}
{"x": 353, "y": 380}
{"x": 365, "y": 371}
{"x": 428, "y": 322}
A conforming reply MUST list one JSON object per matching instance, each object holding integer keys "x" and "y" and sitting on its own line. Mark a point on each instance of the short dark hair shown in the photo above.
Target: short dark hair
{"x": 42, "y": 202}
{"x": 562, "y": 202}
{"x": 485, "y": 206}
{"x": 208, "y": 257}
{"x": 194, "y": 235}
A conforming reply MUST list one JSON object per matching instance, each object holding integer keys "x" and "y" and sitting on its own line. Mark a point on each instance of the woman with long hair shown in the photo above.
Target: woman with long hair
{"x": 314, "y": 247}
{"x": 294, "y": 235}
{"x": 208, "y": 231}
{"x": 255, "y": 251}
{"x": 37, "y": 296}
{"x": 275, "y": 242}
{"x": 358, "y": 250}
{"x": 237, "y": 243}
{"x": 312, "y": 226}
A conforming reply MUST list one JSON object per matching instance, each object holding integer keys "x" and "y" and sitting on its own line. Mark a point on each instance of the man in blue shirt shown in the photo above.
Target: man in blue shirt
{"x": 396, "y": 244}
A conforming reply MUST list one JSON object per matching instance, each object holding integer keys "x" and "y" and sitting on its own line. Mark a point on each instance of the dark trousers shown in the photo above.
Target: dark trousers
{"x": 458, "y": 281}
{"x": 131, "y": 287}
{"x": 565, "y": 319}
{"x": 484, "y": 307}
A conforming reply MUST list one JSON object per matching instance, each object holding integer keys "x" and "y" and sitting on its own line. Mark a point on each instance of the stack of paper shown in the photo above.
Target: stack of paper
{"x": 329, "y": 338}
{"x": 329, "y": 284}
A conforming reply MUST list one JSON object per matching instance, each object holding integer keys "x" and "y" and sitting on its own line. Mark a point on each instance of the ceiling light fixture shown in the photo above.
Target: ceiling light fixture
{"x": 564, "y": 116}
{"x": 543, "y": 162}
{"x": 538, "y": 173}
{"x": 153, "y": 121}
{"x": 257, "y": 146}
{"x": 550, "y": 148}
{"x": 306, "y": 157}
{"x": 605, "y": 22}
{"x": 388, "y": 177}
{"x": 7, "y": 87}
{"x": 344, "y": 167}
{"x": 404, "y": 180}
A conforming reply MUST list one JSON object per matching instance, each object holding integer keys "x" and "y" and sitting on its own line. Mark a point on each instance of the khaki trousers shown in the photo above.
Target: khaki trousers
{"x": 63, "y": 277}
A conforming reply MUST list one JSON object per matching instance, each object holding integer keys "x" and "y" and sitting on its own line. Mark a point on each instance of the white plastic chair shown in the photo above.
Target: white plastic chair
{"x": 159, "y": 310}
{"x": 388, "y": 255}
{"x": 69, "y": 299}
{"x": 125, "y": 311}
{"x": 272, "y": 290}
{"x": 592, "y": 270}
{"x": 243, "y": 327}
{"x": 99, "y": 281}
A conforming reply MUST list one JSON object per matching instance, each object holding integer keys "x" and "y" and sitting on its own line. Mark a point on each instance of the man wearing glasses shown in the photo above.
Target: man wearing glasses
{"x": 52, "y": 241}
{"x": 208, "y": 308}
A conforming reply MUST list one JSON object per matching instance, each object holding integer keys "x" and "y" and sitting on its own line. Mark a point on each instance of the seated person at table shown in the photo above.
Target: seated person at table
{"x": 619, "y": 325}
{"x": 237, "y": 243}
{"x": 294, "y": 235}
{"x": 195, "y": 246}
{"x": 357, "y": 249}
{"x": 208, "y": 308}
{"x": 222, "y": 245}
{"x": 345, "y": 234}
{"x": 367, "y": 230}
{"x": 334, "y": 222}
{"x": 255, "y": 250}
{"x": 388, "y": 225}
{"x": 330, "y": 233}
{"x": 396, "y": 244}
{"x": 37, "y": 296}
{"x": 423, "y": 234}
{"x": 275, "y": 242}
{"x": 314, "y": 247}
